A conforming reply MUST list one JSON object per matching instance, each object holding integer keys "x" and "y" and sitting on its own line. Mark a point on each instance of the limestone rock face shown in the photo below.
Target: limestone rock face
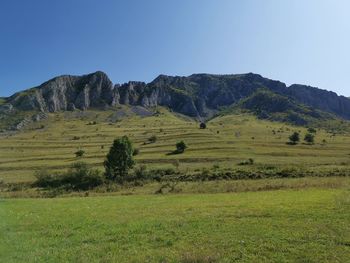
{"x": 198, "y": 95}
{"x": 5, "y": 109}
{"x": 67, "y": 93}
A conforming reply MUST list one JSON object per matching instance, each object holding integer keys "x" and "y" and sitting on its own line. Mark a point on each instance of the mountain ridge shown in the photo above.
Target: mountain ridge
{"x": 199, "y": 95}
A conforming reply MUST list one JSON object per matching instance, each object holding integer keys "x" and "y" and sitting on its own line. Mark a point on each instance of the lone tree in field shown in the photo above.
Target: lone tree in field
{"x": 119, "y": 159}
{"x": 181, "y": 147}
{"x": 202, "y": 125}
{"x": 309, "y": 138}
{"x": 294, "y": 138}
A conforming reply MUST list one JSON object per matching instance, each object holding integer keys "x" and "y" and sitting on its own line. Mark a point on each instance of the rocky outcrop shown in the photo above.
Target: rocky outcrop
{"x": 320, "y": 99}
{"x": 6, "y": 108}
{"x": 199, "y": 95}
{"x": 67, "y": 93}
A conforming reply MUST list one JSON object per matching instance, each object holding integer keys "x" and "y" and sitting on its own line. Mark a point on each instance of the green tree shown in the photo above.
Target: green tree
{"x": 294, "y": 138}
{"x": 181, "y": 147}
{"x": 119, "y": 159}
{"x": 309, "y": 138}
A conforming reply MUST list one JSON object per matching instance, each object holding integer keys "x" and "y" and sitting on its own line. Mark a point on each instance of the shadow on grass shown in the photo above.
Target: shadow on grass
{"x": 175, "y": 152}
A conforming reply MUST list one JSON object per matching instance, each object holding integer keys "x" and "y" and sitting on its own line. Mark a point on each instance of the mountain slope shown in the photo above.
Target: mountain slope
{"x": 199, "y": 95}
{"x": 272, "y": 106}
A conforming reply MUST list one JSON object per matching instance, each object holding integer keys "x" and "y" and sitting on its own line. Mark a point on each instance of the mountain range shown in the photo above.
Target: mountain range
{"x": 201, "y": 96}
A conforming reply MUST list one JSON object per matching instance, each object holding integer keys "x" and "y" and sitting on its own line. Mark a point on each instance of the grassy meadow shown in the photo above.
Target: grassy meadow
{"x": 311, "y": 225}
{"x": 226, "y": 142}
{"x": 304, "y": 219}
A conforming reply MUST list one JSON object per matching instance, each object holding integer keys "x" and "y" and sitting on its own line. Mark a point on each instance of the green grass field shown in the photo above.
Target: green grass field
{"x": 227, "y": 141}
{"x": 268, "y": 220}
{"x": 310, "y": 225}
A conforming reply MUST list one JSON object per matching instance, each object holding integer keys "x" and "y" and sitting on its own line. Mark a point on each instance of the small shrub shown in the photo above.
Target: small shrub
{"x": 140, "y": 172}
{"x": 45, "y": 179}
{"x": 309, "y": 138}
{"x": 158, "y": 174}
{"x": 76, "y": 138}
{"x": 81, "y": 177}
{"x": 152, "y": 139}
{"x": 181, "y": 147}
{"x": 216, "y": 166}
{"x": 78, "y": 177}
{"x": 311, "y": 130}
{"x": 136, "y": 152}
{"x": 250, "y": 161}
{"x": 79, "y": 153}
{"x": 205, "y": 174}
{"x": 294, "y": 138}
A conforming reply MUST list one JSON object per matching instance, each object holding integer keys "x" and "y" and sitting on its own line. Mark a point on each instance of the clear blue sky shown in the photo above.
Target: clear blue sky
{"x": 295, "y": 41}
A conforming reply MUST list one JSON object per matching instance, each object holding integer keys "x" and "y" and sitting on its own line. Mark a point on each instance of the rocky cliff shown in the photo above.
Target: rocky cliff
{"x": 198, "y": 95}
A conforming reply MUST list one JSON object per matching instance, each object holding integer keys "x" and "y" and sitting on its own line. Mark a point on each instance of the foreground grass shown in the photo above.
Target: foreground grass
{"x": 310, "y": 225}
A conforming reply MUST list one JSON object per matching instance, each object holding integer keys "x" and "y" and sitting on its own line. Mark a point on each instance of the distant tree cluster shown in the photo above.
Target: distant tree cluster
{"x": 120, "y": 159}
{"x": 309, "y": 137}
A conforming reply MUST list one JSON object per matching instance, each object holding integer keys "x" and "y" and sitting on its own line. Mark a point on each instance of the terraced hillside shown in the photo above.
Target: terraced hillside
{"x": 227, "y": 141}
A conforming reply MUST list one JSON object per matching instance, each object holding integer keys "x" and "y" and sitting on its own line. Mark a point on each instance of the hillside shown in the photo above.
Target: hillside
{"x": 200, "y": 96}
{"x": 227, "y": 141}
{"x": 275, "y": 107}
{"x": 247, "y": 116}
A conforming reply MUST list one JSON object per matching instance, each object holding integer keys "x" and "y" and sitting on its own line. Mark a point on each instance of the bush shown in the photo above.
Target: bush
{"x": 165, "y": 171}
{"x": 202, "y": 125}
{"x": 181, "y": 147}
{"x": 309, "y": 138}
{"x": 136, "y": 152}
{"x": 152, "y": 139}
{"x": 140, "y": 172}
{"x": 78, "y": 177}
{"x": 79, "y": 153}
{"x": 47, "y": 180}
{"x": 250, "y": 161}
{"x": 311, "y": 130}
{"x": 294, "y": 138}
{"x": 216, "y": 166}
